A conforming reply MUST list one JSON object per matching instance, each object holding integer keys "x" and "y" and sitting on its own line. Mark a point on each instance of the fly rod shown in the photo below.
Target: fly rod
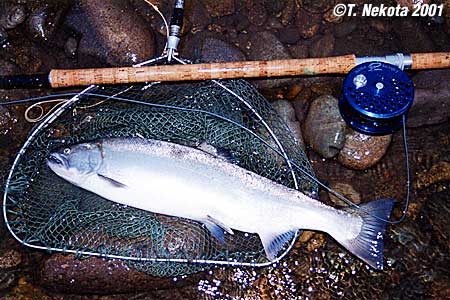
{"x": 58, "y": 78}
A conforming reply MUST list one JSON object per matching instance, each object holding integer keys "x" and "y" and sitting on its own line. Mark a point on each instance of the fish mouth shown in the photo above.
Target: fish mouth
{"x": 56, "y": 159}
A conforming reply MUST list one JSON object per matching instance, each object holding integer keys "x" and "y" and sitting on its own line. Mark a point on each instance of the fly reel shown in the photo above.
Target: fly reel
{"x": 376, "y": 97}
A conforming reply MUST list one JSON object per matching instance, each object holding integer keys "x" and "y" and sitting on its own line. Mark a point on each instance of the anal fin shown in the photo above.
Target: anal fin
{"x": 217, "y": 228}
{"x": 274, "y": 242}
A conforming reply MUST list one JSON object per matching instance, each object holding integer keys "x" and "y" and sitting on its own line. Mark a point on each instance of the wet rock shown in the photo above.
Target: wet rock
{"x": 10, "y": 259}
{"x": 322, "y": 47}
{"x": 210, "y": 47}
{"x": 430, "y": 105}
{"x": 431, "y": 79}
{"x": 324, "y": 128}
{"x": 438, "y": 172}
{"x": 288, "y": 12}
{"x": 412, "y": 36}
{"x": 8, "y": 68}
{"x": 95, "y": 275}
{"x": 308, "y": 24}
{"x": 198, "y": 16}
{"x": 24, "y": 290}
{"x": 275, "y": 7}
{"x": 273, "y": 23}
{"x": 70, "y": 47}
{"x": 111, "y": 31}
{"x": 289, "y": 35}
{"x": 362, "y": 151}
{"x": 257, "y": 14}
{"x": 317, "y": 6}
{"x": 9, "y": 264}
{"x": 331, "y": 17}
{"x": 7, "y": 121}
{"x": 286, "y": 111}
{"x": 301, "y": 103}
{"x": 299, "y": 51}
{"x": 3, "y": 36}
{"x": 380, "y": 25}
{"x": 45, "y": 20}
{"x": 12, "y": 15}
{"x": 219, "y": 8}
{"x": 344, "y": 29}
{"x": 266, "y": 46}
{"x": 345, "y": 189}
{"x": 216, "y": 50}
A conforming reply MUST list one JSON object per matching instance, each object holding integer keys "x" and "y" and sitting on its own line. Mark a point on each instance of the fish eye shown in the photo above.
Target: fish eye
{"x": 66, "y": 151}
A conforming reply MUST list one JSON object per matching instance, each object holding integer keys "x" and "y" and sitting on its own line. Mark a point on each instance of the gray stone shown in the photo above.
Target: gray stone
{"x": 431, "y": 97}
{"x": 257, "y": 14}
{"x": 412, "y": 36}
{"x": 289, "y": 35}
{"x": 322, "y": 47}
{"x": 112, "y": 31}
{"x": 307, "y": 23}
{"x": 219, "y": 8}
{"x": 344, "y": 29}
{"x": 324, "y": 127}
{"x": 266, "y": 46}
{"x": 217, "y": 50}
{"x": 299, "y": 50}
{"x": 286, "y": 111}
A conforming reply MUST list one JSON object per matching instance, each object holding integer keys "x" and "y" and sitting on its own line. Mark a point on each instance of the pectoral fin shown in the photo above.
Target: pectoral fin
{"x": 111, "y": 181}
{"x": 217, "y": 228}
{"x": 273, "y": 242}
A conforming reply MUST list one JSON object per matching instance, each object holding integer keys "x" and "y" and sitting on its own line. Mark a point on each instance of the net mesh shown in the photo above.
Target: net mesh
{"x": 43, "y": 210}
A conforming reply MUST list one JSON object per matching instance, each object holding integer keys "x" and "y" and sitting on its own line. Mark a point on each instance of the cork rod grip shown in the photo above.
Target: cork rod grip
{"x": 437, "y": 60}
{"x": 244, "y": 69}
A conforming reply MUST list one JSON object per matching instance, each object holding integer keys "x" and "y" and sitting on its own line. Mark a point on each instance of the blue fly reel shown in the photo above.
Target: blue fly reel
{"x": 375, "y": 98}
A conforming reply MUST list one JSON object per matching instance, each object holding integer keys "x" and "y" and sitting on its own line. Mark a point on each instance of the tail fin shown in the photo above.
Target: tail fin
{"x": 369, "y": 244}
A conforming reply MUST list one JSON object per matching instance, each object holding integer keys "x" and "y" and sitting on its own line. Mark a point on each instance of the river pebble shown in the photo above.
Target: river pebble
{"x": 308, "y": 24}
{"x": 363, "y": 151}
{"x": 286, "y": 111}
{"x": 346, "y": 190}
{"x": 324, "y": 128}
{"x": 322, "y": 47}
{"x": 219, "y": 8}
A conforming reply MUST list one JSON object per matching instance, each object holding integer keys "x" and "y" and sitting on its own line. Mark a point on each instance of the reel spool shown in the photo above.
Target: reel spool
{"x": 375, "y": 98}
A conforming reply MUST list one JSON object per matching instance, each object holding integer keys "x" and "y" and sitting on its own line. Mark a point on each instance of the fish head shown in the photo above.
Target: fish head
{"x": 76, "y": 163}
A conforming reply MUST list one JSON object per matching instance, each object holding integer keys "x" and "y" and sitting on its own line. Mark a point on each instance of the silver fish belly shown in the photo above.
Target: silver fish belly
{"x": 181, "y": 181}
